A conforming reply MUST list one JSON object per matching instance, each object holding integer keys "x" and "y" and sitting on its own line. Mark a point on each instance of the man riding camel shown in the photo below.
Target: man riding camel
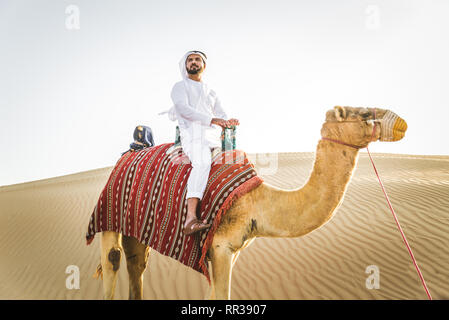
{"x": 198, "y": 111}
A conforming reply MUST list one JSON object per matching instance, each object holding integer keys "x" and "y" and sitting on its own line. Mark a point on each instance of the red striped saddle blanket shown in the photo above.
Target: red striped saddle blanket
{"x": 145, "y": 198}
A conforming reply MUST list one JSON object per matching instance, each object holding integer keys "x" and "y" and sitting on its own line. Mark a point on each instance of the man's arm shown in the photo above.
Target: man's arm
{"x": 180, "y": 99}
{"x": 218, "y": 110}
{"x": 220, "y": 113}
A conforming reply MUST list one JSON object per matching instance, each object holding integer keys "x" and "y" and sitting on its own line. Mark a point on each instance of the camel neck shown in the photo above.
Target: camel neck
{"x": 332, "y": 169}
{"x": 300, "y": 211}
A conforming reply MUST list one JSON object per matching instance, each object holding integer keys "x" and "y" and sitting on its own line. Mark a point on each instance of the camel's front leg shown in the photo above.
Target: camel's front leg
{"x": 110, "y": 261}
{"x": 234, "y": 258}
{"x": 212, "y": 295}
{"x": 221, "y": 258}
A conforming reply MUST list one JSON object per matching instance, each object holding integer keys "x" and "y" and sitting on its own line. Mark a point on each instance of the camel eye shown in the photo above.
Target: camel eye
{"x": 365, "y": 115}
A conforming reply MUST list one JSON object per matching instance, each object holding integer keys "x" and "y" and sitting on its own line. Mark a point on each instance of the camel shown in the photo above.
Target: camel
{"x": 268, "y": 211}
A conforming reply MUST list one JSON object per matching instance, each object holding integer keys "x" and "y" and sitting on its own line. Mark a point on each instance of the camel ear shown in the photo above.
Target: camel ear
{"x": 340, "y": 113}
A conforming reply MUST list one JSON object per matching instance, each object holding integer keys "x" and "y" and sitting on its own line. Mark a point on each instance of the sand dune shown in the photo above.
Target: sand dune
{"x": 43, "y": 224}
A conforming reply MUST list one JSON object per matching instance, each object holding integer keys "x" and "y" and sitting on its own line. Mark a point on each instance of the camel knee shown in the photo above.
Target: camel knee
{"x": 134, "y": 265}
{"x": 114, "y": 257}
{"x": 138, "y": 262}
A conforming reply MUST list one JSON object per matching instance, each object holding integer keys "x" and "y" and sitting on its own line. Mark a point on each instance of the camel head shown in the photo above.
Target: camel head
{"x": 355, "y": 126}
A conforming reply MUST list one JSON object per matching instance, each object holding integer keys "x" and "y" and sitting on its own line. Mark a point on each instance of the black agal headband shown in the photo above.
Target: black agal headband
{"x": 202, "y": 54}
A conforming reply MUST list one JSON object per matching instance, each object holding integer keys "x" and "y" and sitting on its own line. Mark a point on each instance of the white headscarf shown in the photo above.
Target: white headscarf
{"x": 182, "y": 62}
{"x": 182, "y": 68}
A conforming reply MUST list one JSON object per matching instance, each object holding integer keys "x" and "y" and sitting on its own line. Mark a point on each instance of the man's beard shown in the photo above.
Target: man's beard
{"x": 194, "y": 71}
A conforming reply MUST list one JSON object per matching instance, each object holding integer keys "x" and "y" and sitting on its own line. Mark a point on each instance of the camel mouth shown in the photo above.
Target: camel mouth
{"x": 393, "y": 127}
{"x": 399, "y": 128}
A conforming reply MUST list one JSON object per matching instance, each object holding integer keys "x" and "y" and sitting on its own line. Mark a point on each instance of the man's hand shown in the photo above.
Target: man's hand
{"x": 233, "y": 122}
{"x": 225, "y": 123}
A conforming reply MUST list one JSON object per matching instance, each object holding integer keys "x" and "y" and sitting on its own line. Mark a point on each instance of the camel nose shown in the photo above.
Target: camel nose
{"x": 393, "y": 127}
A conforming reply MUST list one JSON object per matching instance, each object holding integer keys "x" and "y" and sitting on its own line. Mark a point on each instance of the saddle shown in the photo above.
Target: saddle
{"x": 145, "y": 198}
{"x": 143, "y": 138}
{"x": 227, "y": 141}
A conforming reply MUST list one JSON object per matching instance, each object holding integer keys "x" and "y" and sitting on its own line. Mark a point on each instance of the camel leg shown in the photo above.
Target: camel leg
{"x": 136, "y": 261}
{"x": 110, "y": 261}
{"x": 221, "y": 259}
{"x": 234, "y": 258}
{"x": 211, "y": 291}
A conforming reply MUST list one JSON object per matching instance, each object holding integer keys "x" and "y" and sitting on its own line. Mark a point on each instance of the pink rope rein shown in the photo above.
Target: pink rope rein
{"x": 400, "y": 229}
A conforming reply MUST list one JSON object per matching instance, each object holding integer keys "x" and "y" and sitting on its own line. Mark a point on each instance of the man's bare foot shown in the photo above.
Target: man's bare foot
{"x": 189, "y": 219}
{"x": 194, "y": 225}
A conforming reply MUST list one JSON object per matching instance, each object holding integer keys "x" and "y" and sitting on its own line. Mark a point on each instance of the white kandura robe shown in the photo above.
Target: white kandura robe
{"x": 194, "y": 107}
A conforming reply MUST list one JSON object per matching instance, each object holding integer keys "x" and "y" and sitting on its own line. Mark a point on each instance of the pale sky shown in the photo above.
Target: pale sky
{"x": 71, "y": 98}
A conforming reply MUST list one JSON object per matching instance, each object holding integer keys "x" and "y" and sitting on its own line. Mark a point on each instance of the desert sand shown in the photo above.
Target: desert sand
{"x": 43, "y": 225}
